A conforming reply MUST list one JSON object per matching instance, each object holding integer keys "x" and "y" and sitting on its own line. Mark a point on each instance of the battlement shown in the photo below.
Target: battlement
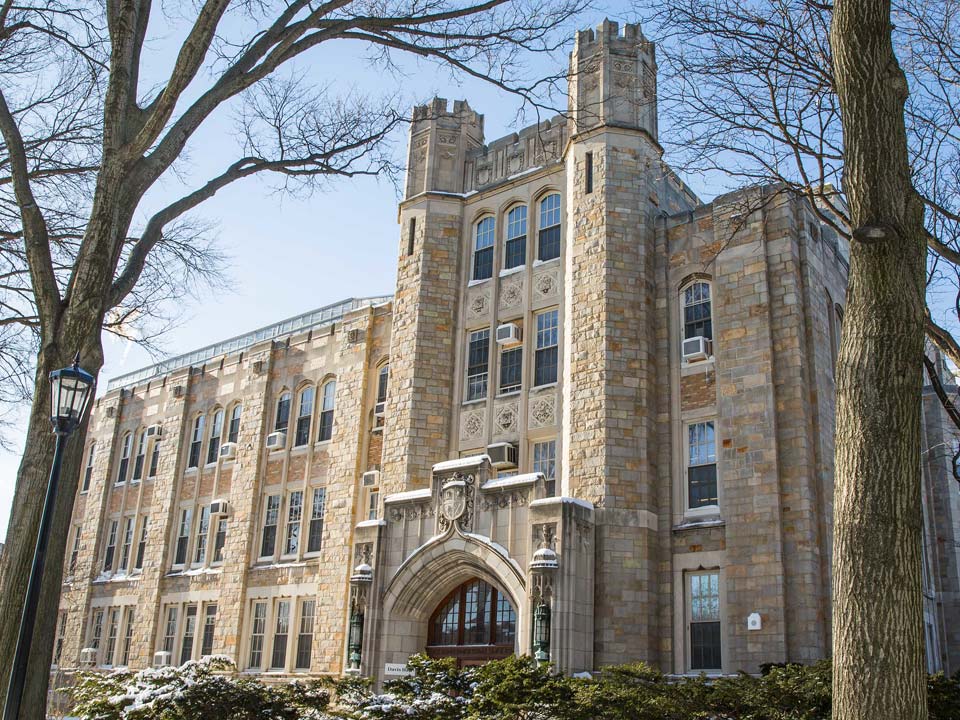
{"x": 438, "y": 111}
{"x": 532, "y": 147}
{"x": 610, "y": 32}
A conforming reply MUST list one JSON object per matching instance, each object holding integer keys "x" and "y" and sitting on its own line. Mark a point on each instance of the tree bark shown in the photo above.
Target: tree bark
{"x": 878, "y": 646}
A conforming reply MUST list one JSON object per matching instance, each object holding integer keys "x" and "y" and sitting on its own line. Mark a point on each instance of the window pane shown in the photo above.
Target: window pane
{"x": 705, "y": 621}
{"x": 189, "y": 631}
{"x": 511, "y": 368}
{"x": 477, "y": 362}
{"x": 697, "y": 320}
{"x": 170, "y": 630}
{"x": 506, "y": 630}
{"x": 234, "y": 433}
{"x": 549, "y": 228}
{"x": 282, "y": 631}
{"x": 203, "y": 528}
{"x": 547, "y": 356}
{"x": 447, "y": 624}
{"x": 483, "y": 249}
{"x": 476, "y": 630}
{"x": 545, "y": 461}
{"x": 316, "y": 519}
{"x": 515, "y": 251}
{"x": 305, "y": 636}
{"x": 283, "y": 413}
{"x": 294, "y": 513}
{"x": 271, "y": 516}
{"x": 209, "y": 625}
{"x": 257, "y": 630}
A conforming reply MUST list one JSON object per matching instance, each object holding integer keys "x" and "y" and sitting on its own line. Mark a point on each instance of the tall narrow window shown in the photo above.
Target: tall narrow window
{"x": 127, "y": 636}
{"x": 383, "y": 381}
{"x": 61, "y": 637}
{"x": 216, "y": 431}
{"x": 588, "y": 173}
{"x": 124, "y": 459}
{"x": 294, "y": 514}
{"x": 170, "y": 630}
{"x": 258, "y": 629}
{"x": 483, "y": 249}
{"x": 203, "y": 529}
{"x": 196, "y": 440}
{"x": 283, "y": 413}
{"x": 271, "y": 515}
{"x": 701, "y": 465}
{"x": 220, "y": 540}
{"x": 511, "y": 369}
{"x": 317, "y": 509}
{"x": 183, "y": 536}
{"x": 705, "y": 621}
{"x": 113, "y": 630}
{"x": 140, "y": 456}
{"x": 281, "y": 632}
{"x": 96, "y": 629}
{"x": 154, "y": 458}
{"x": 75, "y": 552}
{"x": 88, "y": 470}
{"x": 189, "y": 632}
{"x": 111, "y": 547}
{"x": 411, "y": 235}
{"x": 478, "y": 355}
{"x": 233, "y": 434}
{"x": 305, "y": 636}
{"x": 304, "y": 415}
{"x": 697, "y": 320}
{"x": 127, "y": 542}
{"x": 326, "y": 411}
{"x": 515, "y": 249}
{"x": 547, "y": 355}
{"x": 545, "y": 461}
{"x": 373, "y": 503}
{"x": 209, "y": 625}
{"x": 549, "y": 244}
{"x": 142, "y": 545}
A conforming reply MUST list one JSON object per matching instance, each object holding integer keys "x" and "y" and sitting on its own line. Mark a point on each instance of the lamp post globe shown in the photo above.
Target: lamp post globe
{"x": 70, "y": 391}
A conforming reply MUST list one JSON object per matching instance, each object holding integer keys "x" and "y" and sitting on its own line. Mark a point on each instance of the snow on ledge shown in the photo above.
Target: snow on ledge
{"x": 514, "y": 481}
{"x": 409, "y": 496}
{"x": 542, "y": 502}
{"x": 460, "y": 463}
{"x": 371, "y": 523}
{"x": 506, "y": 272}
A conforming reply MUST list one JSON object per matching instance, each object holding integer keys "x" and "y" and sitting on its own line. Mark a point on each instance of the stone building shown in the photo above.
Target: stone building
{"x": 594, "y": 424}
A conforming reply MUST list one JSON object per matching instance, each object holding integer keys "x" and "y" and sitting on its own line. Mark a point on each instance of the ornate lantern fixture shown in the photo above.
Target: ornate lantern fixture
{"x": 543, "y": 568}
{"x": 359, "y": 584}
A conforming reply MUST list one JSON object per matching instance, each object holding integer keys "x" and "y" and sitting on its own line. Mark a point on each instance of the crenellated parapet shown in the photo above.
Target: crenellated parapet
{"x": 440, "y": 138}
{"x": 530, "y": 149}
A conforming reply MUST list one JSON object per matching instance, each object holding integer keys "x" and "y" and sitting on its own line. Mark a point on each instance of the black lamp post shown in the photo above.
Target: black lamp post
{"x": 69, "y": 394}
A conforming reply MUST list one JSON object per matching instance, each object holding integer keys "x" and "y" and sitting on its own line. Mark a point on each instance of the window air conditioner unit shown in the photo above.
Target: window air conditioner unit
{"x": 228, "y": 451}
{"x": 161, "y": 658}
{"x": 277, "y": 440}
{"x": 371, "y": 478}
{"x": 88, "y": 657}
{"x": 379, "y": 409}
{"x": 502, "y": 455}
{"x": 509, "y": 334}
{"x": 154, "y": 431}
{"x": 219, "y": 507}
{"x": 697, "y": 348}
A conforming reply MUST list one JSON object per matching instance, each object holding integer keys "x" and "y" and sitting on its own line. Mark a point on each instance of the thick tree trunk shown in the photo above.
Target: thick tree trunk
{"x": 878, "y": 670}
{"x": 31, "y": 487}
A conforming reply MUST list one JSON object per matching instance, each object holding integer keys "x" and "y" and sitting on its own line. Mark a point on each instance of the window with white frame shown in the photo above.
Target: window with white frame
{"x": 124, "y": 465}
{"x": 75, "y": 551}
{"x": 154, "y": 458}
{"x": 220, "y": 540}
{"x": 128, "y": 528}
{"x": 113, "y": 630}
{"x": 549, "y": 241}
{"x": 478, "y": 359}
{"x": 546, "y": 360}
{"x": 697, "y": 314}
{"x": 128, "y": 615}
{"x": 483, "y": 241}
{"x": 545, "y": 461}
{"x": 268, "y": 537}
{"x": 61, "y": 637}
{"x": 142, "y": 545}
{"x": 140, "y": 457}
{"x": 383, "y": 380}
{"x": 283, "y": 413}
{"x": 511, "y": 369}
{"x": 196, "y": 442}
{"x": 515, "y": 247}
{"x": 188, "y": 630}
{"x": 701, "y": 465}
{"x": 327, "y": 405}
{"x": 88, "y": 470}
{"x": 183, "y": 536}
{"x": 203, "y": 530}
{"x": 305, "y": 635}
{"x": 373, "y": 503}
{"x": 111, "y": 546}
{"x": 294, "y": 516}
{"x": 170, "y": 630}
{"x": 216, "y": 432}
{"x": 233, "y": 433}
{"x": 209, "y": 626}
{"x": 281, "y": 633}
{"x": 317, "y": 510}
{"x": 258, "y": 630}
{"x": 96, "y": 629}
{"x": 304, "y": 416}
{"x": 189, "y": 633}
{"x": 704, "y": 613}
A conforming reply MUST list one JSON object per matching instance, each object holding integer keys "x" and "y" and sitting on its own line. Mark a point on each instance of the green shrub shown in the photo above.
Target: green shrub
{"x": 943, "y": 697}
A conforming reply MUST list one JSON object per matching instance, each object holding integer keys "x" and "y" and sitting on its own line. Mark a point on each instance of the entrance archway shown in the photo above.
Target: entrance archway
{"x": 474, "y": 623}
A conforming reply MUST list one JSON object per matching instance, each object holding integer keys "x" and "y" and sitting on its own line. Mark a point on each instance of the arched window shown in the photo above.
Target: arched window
{"x": 196, "y": 440}
{"x": 549, "y": 243}
{"x": 515, "y": 249}
{"x": 216, "y": 432}
{"x": 233, "y": 434}
{"x": 326, "y": 411}
{"x": 88, "y": 470}
{"x": 124, "y": 458}
{"x": 304, "y": 415}
{"x": 476, "y": 613}
{"x": 140, "y": 456}
{"x": 697, "y": 313}
{"x": 283, "y": 413}
{"x": 483, "y": 249}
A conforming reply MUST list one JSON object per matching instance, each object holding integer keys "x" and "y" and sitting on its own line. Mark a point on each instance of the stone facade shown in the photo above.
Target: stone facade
{"x": 593, "y": 401}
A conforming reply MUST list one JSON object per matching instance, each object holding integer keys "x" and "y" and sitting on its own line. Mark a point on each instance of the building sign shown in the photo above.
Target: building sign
{"x": 400, "y": 669}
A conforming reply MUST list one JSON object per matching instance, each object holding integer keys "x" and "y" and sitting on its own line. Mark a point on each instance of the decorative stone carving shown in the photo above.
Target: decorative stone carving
{"x": 454, "y": 498}
{"x": 472, "y": 424}
{"x": 546, "y": 284}
{"x": 515, "y": 163}
{"x": 446, "y": 139}
{"x": 511, "y": 293}
{"x": 505, "y": 500}
{"x": 479, "y": 304}
{"x": 505, "y": 417}
{"x": 543, "y": 411}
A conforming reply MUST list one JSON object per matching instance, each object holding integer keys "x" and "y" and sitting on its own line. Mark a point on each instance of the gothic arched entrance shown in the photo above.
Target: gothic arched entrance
{"x": 474, "y": 623}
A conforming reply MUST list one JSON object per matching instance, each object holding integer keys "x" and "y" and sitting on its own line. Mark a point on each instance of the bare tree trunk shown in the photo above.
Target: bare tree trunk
{"x": 17, "y": 558}
{"x": 878, "y": 669}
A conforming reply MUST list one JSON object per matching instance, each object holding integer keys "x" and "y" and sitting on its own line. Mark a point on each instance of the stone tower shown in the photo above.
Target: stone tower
{"x": 612, "y": 168}
{"x": 427, "y": 298}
